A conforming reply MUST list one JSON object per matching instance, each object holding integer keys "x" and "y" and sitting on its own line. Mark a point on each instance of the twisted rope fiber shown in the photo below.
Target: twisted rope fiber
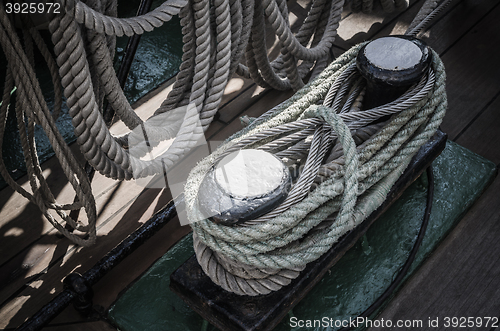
{"x": 102, "y": 152}
{"x": 215, "y": 34}
{"x": 96, "y": 21}
{"x": 430, "y": 9}
{"x": 201, "y": 81}
{"x": 282, "y": 73}
{"x": 356, "y": 184}
{"x": 32, "y": 103}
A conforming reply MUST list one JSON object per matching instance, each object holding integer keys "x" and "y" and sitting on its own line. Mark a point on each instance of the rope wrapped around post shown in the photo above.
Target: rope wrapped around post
{"x": 351, "y": 180}
{"x": 216, "y": 35}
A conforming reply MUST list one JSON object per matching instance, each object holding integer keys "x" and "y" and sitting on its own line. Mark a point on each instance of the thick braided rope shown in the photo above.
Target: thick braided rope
{"x": 274, "y": 244}
{"x": 282, "y": 73}
{"x": 273, "y": 281}
{"x": 98, "y": 146}
{"x": 279, "y": 22}
{"x": 242, "y": 280}
{"x": 104, "y": 153}
{"x": 32, "y": 103}
{"x": 100, "y": 23}
{"x": 215, "y": 36}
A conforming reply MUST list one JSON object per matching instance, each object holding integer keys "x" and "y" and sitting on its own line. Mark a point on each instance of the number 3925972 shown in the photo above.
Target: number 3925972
{"x": 32, "y": 8}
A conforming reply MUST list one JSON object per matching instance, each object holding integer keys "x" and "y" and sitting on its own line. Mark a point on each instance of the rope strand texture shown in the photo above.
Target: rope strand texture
{"x": 96, "y": 21}
{"x": 215, "y": 34}
{"x": 357, "y": 184}
{"x": 32, "y": 103}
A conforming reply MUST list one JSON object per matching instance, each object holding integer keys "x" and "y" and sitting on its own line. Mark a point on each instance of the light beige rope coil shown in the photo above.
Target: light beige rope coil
{"x": 265, "y": 254}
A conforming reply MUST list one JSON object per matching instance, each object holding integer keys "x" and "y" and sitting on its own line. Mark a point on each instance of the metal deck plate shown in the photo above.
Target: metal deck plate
{"x": 346, "y": 289}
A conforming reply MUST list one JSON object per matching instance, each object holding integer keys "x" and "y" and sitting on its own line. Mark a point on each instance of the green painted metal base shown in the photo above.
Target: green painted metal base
{"x": 356, "y": 280}
{"x": 230, "y": 312}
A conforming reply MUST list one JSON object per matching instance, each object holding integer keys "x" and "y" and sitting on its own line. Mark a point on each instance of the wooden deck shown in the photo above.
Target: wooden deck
{"x": 462, "y": 278}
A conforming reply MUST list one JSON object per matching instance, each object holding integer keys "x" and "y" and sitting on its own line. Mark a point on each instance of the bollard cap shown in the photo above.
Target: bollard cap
{"x": 394, "y": 60}
{"x": 242, "y": 186}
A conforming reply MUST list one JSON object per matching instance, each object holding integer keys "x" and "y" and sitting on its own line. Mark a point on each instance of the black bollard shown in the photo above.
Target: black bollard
{"x": 391, "y": 65}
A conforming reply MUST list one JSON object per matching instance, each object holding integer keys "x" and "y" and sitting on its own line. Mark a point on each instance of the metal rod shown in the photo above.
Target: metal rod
{"x": 133, "y": 241}
{"x": 108, "y": 262}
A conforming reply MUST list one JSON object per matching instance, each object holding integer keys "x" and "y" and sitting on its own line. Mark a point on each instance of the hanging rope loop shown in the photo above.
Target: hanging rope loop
{"x": 220, "y": 37}
{"x": 113, "y": 26}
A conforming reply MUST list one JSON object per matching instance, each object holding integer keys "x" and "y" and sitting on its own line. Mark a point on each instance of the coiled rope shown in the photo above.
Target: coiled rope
{"x": 216, "y": 34}
{"x": 31, "y": 108}
{"x": 329, "y": 199}
{"x": 265, "y": 254}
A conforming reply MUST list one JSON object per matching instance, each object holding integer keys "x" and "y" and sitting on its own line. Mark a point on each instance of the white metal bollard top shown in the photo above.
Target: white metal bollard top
{"x": 249, "y": 173}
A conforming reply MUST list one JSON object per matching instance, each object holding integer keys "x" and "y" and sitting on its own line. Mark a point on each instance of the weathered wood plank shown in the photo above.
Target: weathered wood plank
{"x": 456, "y": 22}
{"x": 229, "y": 311}
{"x": 462, "y": 277}
{"x": 50, "y": 248}
{"x": 446, "y": 29}
{"x": 271, "y": 99}
{"x": 473, "y": 73}
{"x": 247, "y": 96}
{"x": 359, "y": 27}
{"x": 20, "y": 221}
{"x": 481, "y": 136}
{"x": 44, "y": 287}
